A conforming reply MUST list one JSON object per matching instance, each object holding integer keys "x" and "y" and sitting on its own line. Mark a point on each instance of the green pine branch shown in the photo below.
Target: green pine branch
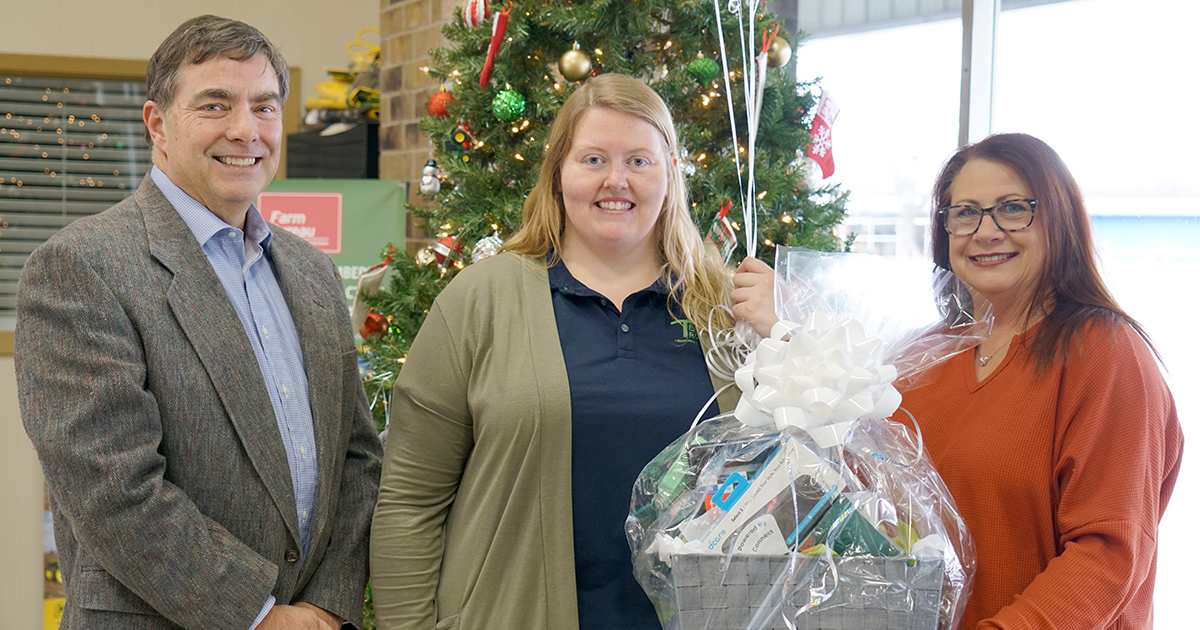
{"x": 652, "y": 39}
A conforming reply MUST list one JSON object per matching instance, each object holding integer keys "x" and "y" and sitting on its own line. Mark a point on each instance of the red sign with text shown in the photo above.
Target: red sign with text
{"x": 315, "y": 217}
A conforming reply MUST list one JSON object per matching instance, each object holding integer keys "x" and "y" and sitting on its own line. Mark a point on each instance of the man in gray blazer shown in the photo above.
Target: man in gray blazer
{"x": 189, "y": 377}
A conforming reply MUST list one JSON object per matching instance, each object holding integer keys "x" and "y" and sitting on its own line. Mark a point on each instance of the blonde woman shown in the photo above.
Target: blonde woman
{"x": 544, "y": 379}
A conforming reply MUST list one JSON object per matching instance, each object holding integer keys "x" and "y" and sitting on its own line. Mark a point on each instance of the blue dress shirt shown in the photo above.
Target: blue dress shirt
{"x": 242, "y": 262}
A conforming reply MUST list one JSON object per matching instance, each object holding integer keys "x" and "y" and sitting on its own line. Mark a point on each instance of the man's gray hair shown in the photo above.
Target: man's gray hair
{"x": 200, "y": 39}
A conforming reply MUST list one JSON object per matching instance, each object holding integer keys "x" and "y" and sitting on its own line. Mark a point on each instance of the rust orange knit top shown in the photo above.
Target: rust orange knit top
{"x": 1062, "y": 478}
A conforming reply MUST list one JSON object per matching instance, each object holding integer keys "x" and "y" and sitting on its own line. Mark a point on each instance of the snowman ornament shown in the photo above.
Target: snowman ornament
{"x": 430, "y": 184}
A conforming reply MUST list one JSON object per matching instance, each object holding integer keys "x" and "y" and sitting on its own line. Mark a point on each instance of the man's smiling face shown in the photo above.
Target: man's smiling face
{"x": 219, "y": 139}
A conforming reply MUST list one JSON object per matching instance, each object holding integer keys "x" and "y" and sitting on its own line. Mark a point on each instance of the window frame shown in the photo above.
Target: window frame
{"x": 111, "y": 69}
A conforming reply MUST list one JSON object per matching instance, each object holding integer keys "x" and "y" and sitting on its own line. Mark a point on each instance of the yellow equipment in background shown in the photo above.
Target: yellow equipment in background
{"x": 354, "y": 88}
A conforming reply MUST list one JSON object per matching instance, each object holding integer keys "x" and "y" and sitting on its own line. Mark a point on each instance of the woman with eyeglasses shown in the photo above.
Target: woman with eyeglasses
{"x": 1057, "y": 436}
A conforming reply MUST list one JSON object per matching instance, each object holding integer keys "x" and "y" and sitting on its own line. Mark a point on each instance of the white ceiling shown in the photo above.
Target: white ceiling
{"x": 825, "y": 18}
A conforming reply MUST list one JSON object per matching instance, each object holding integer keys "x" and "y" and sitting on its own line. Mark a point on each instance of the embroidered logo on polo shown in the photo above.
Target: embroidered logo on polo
{"x": 687, "y": 333}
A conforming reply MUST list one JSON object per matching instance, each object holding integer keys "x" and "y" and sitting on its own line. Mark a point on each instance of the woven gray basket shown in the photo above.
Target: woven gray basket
{"x": 873, "y": 593}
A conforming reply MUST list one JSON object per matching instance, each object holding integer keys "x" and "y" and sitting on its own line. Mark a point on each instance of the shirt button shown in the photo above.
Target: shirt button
{"x": 232, "y": 234}
{"x": 291, "y": 556}
{"x": 265, "y": 332}
{"x": 624, "y": 327}
{"x": 603, "y": 302}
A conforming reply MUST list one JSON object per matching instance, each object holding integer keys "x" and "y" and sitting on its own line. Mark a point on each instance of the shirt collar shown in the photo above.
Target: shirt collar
{"x": 200, "y": 220}
{"x": 562, "y": 281}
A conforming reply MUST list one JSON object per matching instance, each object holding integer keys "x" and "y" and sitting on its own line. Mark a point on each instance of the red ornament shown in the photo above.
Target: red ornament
{"x": 439, "y": 104}
{"x": 376, "y": 324}
{"x": 446, "y": 249}
{"x": 475, "y": 12}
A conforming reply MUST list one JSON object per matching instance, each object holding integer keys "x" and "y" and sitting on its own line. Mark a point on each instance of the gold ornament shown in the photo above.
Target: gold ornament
{"x": 779, "y": 53}
{"x": 575, "y": 65}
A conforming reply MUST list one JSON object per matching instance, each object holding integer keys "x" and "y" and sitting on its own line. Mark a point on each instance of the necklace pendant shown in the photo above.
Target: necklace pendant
{"x": 983, "y": 360}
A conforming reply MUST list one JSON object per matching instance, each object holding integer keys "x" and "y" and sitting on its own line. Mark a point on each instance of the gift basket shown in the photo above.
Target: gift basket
{"x": 807, "y": 507}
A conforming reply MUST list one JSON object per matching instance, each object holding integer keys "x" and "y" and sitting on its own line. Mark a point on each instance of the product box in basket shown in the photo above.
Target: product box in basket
{"x": 806, "y": 507}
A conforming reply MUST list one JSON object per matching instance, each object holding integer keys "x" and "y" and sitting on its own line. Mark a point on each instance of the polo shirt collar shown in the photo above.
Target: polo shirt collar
{"x": 562, "y": 281}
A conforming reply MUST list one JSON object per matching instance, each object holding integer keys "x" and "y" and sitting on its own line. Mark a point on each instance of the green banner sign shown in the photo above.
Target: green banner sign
{"x": 350, "y": 219}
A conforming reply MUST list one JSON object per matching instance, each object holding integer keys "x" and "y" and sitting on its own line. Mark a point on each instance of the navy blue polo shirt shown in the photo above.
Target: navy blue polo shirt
{"x": 637, "y": 378}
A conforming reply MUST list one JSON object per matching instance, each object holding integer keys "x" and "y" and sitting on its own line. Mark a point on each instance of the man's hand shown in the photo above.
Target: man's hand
{"x": 293, "y": 618}
{"x": 753, "y": 295}
{"x": 328, "y": 618}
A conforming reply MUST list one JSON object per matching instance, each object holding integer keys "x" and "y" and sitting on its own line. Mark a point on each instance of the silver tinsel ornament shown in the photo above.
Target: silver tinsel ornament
{"x": 686, "y": 165}
{"x": 486, "y": 247}
{"x": 425, "y": 257}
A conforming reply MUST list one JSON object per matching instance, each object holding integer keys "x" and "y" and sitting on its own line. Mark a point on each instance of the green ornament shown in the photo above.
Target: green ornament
{"x": 703, "y": 70}
{"x": 508, "y": 105}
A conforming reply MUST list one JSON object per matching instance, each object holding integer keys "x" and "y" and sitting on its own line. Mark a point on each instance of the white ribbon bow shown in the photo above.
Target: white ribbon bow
{"x": 822, "y": 379}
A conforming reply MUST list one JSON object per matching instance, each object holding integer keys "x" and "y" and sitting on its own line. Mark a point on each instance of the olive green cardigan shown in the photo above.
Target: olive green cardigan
{"x": 473, "y": 528}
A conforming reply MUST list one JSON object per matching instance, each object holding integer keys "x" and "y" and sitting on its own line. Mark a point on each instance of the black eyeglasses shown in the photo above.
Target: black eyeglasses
{"x": 1011, "y": 216}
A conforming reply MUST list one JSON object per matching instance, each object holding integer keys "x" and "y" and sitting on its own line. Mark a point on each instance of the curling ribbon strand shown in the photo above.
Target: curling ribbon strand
{"x": 737, "y": 160}
{"x": 769, "y": 34}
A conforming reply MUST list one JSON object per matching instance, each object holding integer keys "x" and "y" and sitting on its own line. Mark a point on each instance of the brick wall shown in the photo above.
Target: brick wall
{"x": 408, "y": 29}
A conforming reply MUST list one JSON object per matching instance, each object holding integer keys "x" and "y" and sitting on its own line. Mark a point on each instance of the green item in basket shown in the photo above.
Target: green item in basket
{"x": 853, "y": 534}
{"x": 671, "y": 484}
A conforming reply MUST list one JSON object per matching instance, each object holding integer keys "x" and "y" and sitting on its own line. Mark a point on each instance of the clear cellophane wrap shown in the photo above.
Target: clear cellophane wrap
{"x": 807, "y": 507}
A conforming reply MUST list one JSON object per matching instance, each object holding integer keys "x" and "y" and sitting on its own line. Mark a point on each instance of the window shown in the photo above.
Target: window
{"x": 1101, "y": 82}
{"x": 898, "y": 92}
{"x": 68, "y": 148}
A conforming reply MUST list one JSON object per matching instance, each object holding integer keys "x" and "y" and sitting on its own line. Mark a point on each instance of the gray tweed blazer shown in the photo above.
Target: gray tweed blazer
{"x": 172, "y": 497}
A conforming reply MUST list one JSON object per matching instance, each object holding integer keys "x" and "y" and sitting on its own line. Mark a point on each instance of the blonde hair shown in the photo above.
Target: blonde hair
{"x": 699, "y": 281}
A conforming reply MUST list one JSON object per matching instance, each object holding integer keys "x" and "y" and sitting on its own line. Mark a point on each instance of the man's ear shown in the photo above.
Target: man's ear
{"x": 152, "y": 115}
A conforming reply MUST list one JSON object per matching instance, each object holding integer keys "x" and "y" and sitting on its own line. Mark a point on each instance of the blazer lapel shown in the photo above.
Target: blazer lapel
{"x": 301, "y": 275}
{"x": 216, "y": 334}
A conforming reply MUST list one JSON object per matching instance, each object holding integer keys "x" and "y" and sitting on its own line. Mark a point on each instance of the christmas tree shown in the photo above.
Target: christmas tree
{"x": 488, "y": 135}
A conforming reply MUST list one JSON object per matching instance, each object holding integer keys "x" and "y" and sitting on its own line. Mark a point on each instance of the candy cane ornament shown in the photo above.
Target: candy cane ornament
{"x": 475, "y": 12}
{"x": 499, "y": 25}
